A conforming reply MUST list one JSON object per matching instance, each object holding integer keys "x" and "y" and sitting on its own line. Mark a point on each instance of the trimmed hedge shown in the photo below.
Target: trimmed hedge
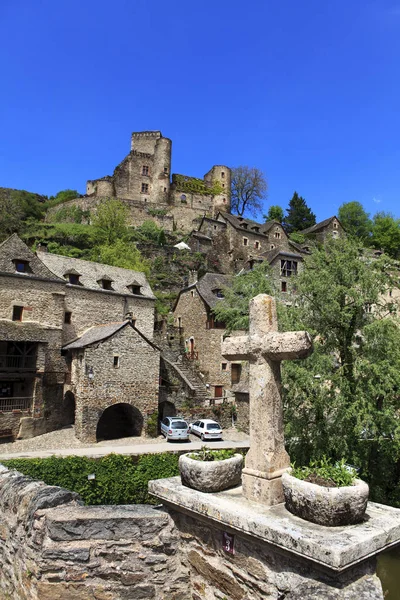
{"x": 118, "y": 479}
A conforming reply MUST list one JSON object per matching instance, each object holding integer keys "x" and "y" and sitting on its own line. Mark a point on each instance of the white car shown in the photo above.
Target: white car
{"x": 175, "y": 428}
{"x": 206, "y": 429}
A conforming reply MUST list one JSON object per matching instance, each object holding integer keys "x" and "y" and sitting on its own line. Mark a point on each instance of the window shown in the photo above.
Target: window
{"x": 165, "y": 189}
{"x": 224, "y": 200}
{"x": 218, "y": 392}
{"x": 244, "y": 225}
{"x": 224, "y": 366}
{"x": 145, "y": 188}
{"x": 334, "y": 225}
{"x": 283, "y": 286}
{"x": 105, "y": 283}
{"x": 166, "y": 170}
{"x": 192, "y": 293}
{"x": 116, "y": 362}
{"x": 368, "y": 308}
{"x": 183, "y": 198}
{"x": 335, "y": 233}
{"x": 288, "y": 268}
{"x": 21, "y": 266}
{"x": 145, "y": 171}
{"x": 277, "y": 235}
{"x": 74, "y": 279}
{"x": 272, "y": 246}
{"x": 135, "y": 289}
{"x": 219, "y": 293}
{"x": 67, "y": 317}
{"x": 223, "y": 175}
{"x": 17, "y": 313}
{"x": 245, "y": 242}
{"x": 223, "y": 185}
{"x": 257, "y": 245}
{"x": 236, "y": 371}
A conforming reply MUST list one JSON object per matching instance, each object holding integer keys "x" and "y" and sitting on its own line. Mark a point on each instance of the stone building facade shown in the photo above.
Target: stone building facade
{"x": 144, "y": 183}
{"x": 320, "y": 232}
{"x": 47, "y": 301}
{"x": 203, "y": 334}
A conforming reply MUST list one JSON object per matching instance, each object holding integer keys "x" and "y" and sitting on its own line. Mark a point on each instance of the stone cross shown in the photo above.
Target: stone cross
{"x": 265, "y": 348}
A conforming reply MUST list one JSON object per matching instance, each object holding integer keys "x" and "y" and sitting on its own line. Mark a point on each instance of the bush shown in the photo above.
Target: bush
{"x": 118, "y": 479}
{"x": 324, "y": 472}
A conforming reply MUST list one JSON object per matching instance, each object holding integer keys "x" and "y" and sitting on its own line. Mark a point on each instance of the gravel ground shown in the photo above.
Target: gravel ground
{"x": 65, "y": 438}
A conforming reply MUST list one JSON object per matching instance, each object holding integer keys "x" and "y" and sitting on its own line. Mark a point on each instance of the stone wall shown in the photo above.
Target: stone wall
{"x": 134, "y": 382}
{"x": 53, "y": 548}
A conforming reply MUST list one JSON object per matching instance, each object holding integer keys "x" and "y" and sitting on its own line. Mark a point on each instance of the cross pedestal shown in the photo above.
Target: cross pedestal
{"x": 265, "y": 348}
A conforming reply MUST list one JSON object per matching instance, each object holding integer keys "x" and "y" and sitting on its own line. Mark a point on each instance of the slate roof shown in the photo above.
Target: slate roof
{"x": 237, "y": 223}
{"x": 95, "y": 334}
{"x": 91, "y": 273}
{"x": 13, "y": 248}
{"x": 210, "y": 282}
{"x": 319, "y": 226}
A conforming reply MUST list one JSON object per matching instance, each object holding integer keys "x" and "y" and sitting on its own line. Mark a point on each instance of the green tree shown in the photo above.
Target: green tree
{"x": 121, "y": 253}
{"x": 248, "y": 190}
{"x": 11, "y": 214}
{"x": 386, "y": 233}
{"x": 275, "y": 213}
{"x": 299, "y": 215}
{"x": 63, "y": 196}
{"x": 110, "y": 221}
{"x": 355, "y": 220}
{"x": 233, "y": 310}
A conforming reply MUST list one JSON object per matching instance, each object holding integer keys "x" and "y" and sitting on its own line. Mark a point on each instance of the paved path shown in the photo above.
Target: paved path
{"x": 131, "y": 449}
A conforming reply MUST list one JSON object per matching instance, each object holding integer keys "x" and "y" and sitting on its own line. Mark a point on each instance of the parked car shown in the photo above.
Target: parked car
{"x": 175, "y": 428}
{"x": 206, "y": 429}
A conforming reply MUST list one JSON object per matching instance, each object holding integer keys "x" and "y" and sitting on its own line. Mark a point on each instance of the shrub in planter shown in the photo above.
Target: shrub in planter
{"x": 326, "y": 494}
{"x": 211, "y": 470}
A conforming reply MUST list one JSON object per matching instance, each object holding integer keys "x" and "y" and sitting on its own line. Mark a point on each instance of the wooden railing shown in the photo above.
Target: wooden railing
{"x": 16, "y": 403}
{"x": 9, "y": 362}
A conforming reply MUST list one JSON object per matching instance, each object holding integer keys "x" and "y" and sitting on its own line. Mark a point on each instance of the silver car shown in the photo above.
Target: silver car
{"x": 175, "y": 428}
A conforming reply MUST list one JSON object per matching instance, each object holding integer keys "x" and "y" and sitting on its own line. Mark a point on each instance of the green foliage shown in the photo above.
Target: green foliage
{"x": 275, "y": 213}
{"x": 386, "y": 233}
{"x": 355, "y": 220}
{"x": 204, "y": 454}
{"x": 299, "y": 215}
{"x": 339, "y": 473}
{"x": 110, "y": 221}
{"x": 71, "y": 214}
{"x": 16, "y": 207}
{"x": 297, "y": 237}
{"x": 233, "y": 310}
{"x": 157, "y": 212}
{"x": 148, "y": 231}
{"x": 152, "y": 425}
{"x": 343, "y": 401}
{"x": 121, "y": 253}
{"x": 118, "y": 479}
{"x": 248, "y": 190}
{"x": 63, "y": 196}
{"x": 193, "y": 185}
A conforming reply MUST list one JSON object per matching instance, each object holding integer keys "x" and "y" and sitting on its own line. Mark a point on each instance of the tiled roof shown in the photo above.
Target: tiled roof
{"x": 91, "y": 273}
{"x": 238, "y": 222}
{"x": 210, "y": 282}
{"x": 95, "y": 334}
{"x": 318, "y": 226}
{"x": 13, "y": 248}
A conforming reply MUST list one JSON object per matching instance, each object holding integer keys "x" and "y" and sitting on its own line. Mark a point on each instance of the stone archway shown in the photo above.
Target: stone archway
{"x": 166, "y": 409}
{"x": 69, "y": 408}
{"x": 119, "y": 421}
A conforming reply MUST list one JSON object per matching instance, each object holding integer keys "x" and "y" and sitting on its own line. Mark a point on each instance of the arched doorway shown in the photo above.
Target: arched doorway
{"x": 69, "y": 409}
{"x": 166, "y": 409}
{"x": 118, "y": 421}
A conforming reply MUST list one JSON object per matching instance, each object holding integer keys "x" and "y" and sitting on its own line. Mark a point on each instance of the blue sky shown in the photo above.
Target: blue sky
{"x": 308, "y": 91}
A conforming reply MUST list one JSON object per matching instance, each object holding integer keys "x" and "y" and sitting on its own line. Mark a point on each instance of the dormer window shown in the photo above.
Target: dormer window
{"x": 21, "y": 266}
{"x": 244, "y": 225}
{"x": 219, "y": 293}
{"x": 134, "y": 288}
{"x": 256, "y": 229}
{"x": 105, "y": 282}
{"x": 73, "y": 277}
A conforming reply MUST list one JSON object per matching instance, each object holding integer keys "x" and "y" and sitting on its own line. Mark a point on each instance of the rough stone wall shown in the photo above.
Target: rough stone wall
{"x": 193, "y": 313}
{"x": 135, "y": 381}
{"x": 52, "y": 548}
{"x": 240, "y": 253}
{"x": 89, "y": 308}
{"x": 257, "y": 570}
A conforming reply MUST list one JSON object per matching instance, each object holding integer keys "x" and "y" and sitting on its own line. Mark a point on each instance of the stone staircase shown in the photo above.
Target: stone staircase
{"x": 201, "y": 393}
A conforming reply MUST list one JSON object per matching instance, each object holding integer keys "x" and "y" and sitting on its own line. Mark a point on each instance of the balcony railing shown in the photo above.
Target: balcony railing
{"x": 16, "y": 403}
{"x": 10, "y": 362}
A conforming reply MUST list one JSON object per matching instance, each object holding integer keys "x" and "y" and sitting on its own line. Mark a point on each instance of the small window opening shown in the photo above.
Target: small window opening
{"x": 283, "y": 286}
{"x": 236, "y": 371}
{"x": 145, "y": 170}
{"x": 67, "y": 317}
{"x": 116, "y": 362}
{"x": 245, "y": 242}
{"x": 224, "y": 200}
{"x": 106, "y": 284}
{"x": 165, "y": 170}
{"x": 277, "y": 235}
{"x": 257, "y": 245}
{"x": 74, "y": 279}
{"x": 17, "y": 313}
{"x": 135, "y": 289}
{"x": 145, "y": 188}
{"x": 165, "y": 189}
{"x": 21, "y": 266}
{"x": 224, "y": 366}
{"x": 334, "y": 225}
{"x": 223, "y": 175}
{"x": 272, "y": 246}
{"x": 192, "y": 293}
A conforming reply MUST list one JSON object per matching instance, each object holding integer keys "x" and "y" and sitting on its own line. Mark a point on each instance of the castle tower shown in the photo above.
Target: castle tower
{"x": 222, "y": 175}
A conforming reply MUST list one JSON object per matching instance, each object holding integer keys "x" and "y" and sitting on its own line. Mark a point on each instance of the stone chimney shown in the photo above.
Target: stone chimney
{"x": 193, "y": 278}
{"x": 41, "y": 247}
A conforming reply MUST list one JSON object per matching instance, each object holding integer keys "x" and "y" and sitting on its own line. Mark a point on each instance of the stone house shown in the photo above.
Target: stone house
{"x": 203, "y": 334}
{"x": 284, "y": 265}
{"x": 46, "y": 302}
{"x": 144, "y": 183}
{"x": 319, "y": 232}
{"x": 114, "y": 375}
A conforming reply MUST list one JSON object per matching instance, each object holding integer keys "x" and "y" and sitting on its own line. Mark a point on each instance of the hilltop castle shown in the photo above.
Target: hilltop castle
{"x": 143, "y": 182}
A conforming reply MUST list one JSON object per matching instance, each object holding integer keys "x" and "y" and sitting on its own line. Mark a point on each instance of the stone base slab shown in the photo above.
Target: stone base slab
{"x": 336, "y": 548}
{"x": 264, "y": 491}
